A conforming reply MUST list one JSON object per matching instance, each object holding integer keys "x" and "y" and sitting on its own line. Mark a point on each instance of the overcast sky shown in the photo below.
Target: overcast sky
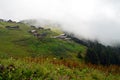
{"x": 93, "y": 19}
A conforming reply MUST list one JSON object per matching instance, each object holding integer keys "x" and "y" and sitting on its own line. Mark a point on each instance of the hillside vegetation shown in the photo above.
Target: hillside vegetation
{"x": 19, "y": 42}
{"x": 24, "y": 56}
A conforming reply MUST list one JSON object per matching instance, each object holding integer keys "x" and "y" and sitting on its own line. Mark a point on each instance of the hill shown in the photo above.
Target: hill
{"x": 19, "y": 42}
{"x": 45, "y": 53}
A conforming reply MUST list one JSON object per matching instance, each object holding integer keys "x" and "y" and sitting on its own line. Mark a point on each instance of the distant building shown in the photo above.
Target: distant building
{"x": 40, "y": 28}
{"x": 12, "y": 27}
{"x": 9, "y": 20}
{"x": 32, "y": 31}
{"x": 62, "y": 36}
{"x": 1, "y": 20}
{"x": 33, "y": 26}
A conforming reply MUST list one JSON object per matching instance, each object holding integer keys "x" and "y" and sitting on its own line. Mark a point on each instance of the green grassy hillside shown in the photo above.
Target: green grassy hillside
{"x": 21, "y": 43}
{"x": 25, "y": 57}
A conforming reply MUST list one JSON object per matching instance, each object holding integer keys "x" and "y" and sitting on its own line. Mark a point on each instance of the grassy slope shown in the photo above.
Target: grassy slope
{"x": 21, "y": 44}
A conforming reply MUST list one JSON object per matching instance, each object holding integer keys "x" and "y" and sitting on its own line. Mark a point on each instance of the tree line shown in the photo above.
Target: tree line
{"x": 98, "y": 53}
{"x": 101, "y": 54}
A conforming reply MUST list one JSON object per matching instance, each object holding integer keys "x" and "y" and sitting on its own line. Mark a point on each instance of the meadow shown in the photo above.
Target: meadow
{"x": 25, "y": 57}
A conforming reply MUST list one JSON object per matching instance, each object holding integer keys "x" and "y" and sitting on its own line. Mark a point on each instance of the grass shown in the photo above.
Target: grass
{"x": 27, "y": 69}
{"x": 21, "y": 43}
{"x": 24, "y": 57}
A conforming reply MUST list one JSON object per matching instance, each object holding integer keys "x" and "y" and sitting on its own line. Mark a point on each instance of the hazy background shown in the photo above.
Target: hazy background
{"x": 92, "y": 19}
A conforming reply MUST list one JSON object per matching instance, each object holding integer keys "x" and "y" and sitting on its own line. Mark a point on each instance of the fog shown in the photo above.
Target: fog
{"x": 91, "y": 19}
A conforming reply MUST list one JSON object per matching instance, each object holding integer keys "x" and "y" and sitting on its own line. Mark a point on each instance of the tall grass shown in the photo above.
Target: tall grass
{"x": 50, "y": 69}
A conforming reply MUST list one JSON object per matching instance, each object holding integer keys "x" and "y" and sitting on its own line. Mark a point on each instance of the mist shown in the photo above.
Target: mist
{"x": 91, "y": 19}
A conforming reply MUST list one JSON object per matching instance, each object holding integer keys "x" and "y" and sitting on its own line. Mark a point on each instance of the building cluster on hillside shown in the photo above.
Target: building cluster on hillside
{"x": 34, "y": 31}
{"x": 36, "y": 34}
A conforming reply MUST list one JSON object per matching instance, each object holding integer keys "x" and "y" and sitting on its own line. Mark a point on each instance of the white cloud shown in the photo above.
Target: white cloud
{"x": 89, "y": 18}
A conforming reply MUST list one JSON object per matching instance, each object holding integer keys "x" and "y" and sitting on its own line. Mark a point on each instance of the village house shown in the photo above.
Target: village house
{"x": 12, "y": 27}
